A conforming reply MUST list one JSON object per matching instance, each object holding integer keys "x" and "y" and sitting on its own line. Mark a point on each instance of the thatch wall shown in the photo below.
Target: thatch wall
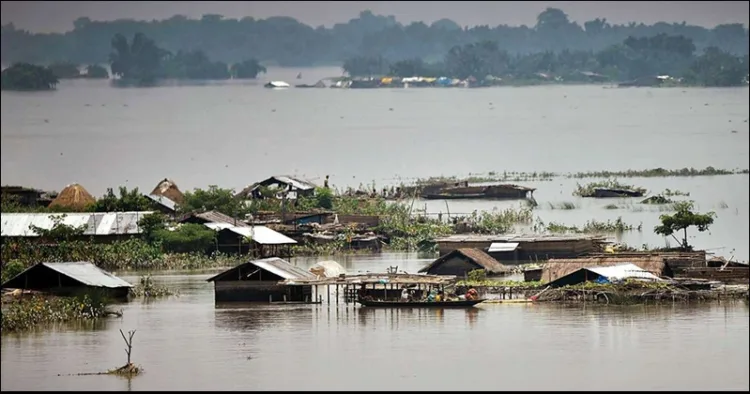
{"x": 73, "y": 196}
{"x": 557, "y": 268}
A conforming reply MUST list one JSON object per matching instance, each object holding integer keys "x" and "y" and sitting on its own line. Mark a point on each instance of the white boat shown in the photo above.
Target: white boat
{"x": 277, "y": 85}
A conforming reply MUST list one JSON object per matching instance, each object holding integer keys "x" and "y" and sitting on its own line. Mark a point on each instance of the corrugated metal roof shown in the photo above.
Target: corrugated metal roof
{"x": 97, "y": 223}
{"x": 297, "y": 183}
{"x": 84, "y": 272}
{"x": 503, "y": 247}
{"x": 261, "y": 234}
{"x": 218, "y": 217}
{"x": 283, "y": 268}
{"x": 623, "y": 271}
{"x": 163, "y": 201}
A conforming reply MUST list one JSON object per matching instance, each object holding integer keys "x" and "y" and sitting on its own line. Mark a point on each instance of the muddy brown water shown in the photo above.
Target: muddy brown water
{"x": 188, "y": 343}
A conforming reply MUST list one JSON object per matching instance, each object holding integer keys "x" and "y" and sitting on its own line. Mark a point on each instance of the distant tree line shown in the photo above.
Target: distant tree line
{"x": 632, "y": 59}
{"x": 286, "y": 42}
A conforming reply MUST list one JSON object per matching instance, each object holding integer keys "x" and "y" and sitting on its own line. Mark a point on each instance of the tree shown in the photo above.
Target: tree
{"x": 152, "y": 223}
{"x": 128, "y": 201}
{"x": 718, "y": 68}
{"x": 214, "y": 198}
{"x": 681, "y": 220}
{"x": 139, "y": 61}
{"x": 248, "y": 69}
{"x": 59, "y": 230}
{"x": 186, "y": 238}
{"x": 24, "y": 76}
{"x": 65, "y": 70}
{"x": 96, "y": 71}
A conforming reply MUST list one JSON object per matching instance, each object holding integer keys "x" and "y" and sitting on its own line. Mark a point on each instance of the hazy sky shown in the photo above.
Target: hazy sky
{"x": 48, "y": 16}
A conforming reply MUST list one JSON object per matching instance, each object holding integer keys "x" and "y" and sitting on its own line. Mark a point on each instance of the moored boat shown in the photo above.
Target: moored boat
{"x": 420, "y": 304}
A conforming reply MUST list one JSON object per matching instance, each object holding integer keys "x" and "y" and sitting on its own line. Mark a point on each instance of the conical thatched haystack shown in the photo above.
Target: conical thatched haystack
{"x": 73, "y": 196}
{"x": 168, "y": 189}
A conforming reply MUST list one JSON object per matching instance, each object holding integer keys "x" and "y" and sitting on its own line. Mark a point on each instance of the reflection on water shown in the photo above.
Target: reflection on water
{"x": 188, "y": 343}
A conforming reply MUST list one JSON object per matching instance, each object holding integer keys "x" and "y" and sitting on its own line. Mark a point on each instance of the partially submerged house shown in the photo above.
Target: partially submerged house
{"x": 99, "y": 226}
{"x": 74, "y": 196}
{"x": 501, "y": 191}
{"x": 557, "y": 268}
{"x": 462, "y": 261}
{"x": 259, "y": 281}
{"x": 258, "y": 241}
{"x": 292, "y": 187}
{"x": 69, "y": 279}
{"x": 514, "y": 249}
{"x": 605, "y": 274}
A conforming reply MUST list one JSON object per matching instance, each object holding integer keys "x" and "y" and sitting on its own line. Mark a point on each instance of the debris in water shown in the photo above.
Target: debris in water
{"x": 390, "y": 109}
{"x": 46, "y": 121}
{"x": 734, "y": 131}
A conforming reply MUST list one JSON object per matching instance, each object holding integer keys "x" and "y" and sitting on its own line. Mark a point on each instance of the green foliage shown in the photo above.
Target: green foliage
{"x": 29, "y": 313}
{"x": 588, "y": 190}
{"x": 128, "y": 201}
{"x": 95, "y": 71}
{"x": 324, "y": 198}
{"x": 59, "y": 230}
{"x": 718, "y": 68}
{"x": 594, "y": 227}
{"x": 65, "y": 70}
{"x": 140, "y": 61}
{"x": 214, "y": 198}
{"x": 194, "y": 65}
{"x": 656, "y": 172}
{"x": 682, "y": 219}
{"x": 11, "y": 269}
{"x": 131, "y": 254}
{"x": 248, "y": 69}
{"x": 186, "y": 238}
{"x": 24, "y": 76}
{"x": 366, "y": 66}
{"x": 152, "y": 223}
{"x": 147, "y": 288}
{"x": 477, "y": 275}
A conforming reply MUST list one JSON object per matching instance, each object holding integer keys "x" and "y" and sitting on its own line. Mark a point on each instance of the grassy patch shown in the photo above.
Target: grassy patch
{"x": 565, "y": 205}
{"x": 147, "y": 288}
{"x": 658, "y": 173}
{"x": 588, "y": 190}
{"x": 593, "y": 227}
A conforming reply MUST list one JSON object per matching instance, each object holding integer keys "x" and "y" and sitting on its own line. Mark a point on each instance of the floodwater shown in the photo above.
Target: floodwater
{"x": 187, "y": 343}
{"x": 234, "y": 133}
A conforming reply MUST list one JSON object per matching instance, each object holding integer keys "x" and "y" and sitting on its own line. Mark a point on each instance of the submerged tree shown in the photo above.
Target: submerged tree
{"x": 681, "y": 220}
{"x": 96, "y": 71}
{"x": 25, "y": 76}
{"x": 139, "y": 61}
{"x": 249, "y": 69}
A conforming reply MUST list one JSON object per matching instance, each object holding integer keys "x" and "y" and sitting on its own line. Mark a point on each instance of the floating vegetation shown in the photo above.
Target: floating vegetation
{"x": 657, "y": 199}
{"x": 723, "y": 205}
{"x": 147, "y": 288}
{"x": 657, "y": 173}
{"x": 594, "y": 227}
{"x": 589, "y": 190}
{"x": 565, "y": 205}
{"x": 672, "y": 193}
{"x": 27, "y": 313}
{"x": 611, "y": 206}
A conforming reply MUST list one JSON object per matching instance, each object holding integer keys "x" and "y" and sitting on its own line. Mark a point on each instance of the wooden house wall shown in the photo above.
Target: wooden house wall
{"x": 259, "y": 291}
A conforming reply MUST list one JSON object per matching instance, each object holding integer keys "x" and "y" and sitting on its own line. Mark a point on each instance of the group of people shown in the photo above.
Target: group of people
{"x": 410, "y": 295}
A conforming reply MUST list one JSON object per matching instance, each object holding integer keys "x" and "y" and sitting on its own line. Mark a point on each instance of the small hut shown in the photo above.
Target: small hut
{"x": 167, "y": 188}
{"x": 462, "y": 261}
{"x": 605, "y": 274}
{"x": 67, "y": 279}
{"x": 73, "y": 196}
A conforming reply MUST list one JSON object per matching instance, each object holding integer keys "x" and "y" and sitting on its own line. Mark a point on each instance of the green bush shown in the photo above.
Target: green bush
{"x": 186, "y": 238}
{"x": 11, "y": 269}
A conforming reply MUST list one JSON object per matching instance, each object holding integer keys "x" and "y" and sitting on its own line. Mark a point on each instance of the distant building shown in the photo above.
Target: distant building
{"x": 102, "y": 226}
{"x": 69, "y": 279}
{"x": 258, "y": 241}
{"x": 293, "y": 187}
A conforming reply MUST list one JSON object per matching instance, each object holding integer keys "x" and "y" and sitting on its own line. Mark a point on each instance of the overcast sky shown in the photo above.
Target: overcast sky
{"x": 49, "y": 16}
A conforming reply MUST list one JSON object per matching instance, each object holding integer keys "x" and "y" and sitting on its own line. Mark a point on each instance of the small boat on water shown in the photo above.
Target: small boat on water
{"x": 277, "y": 85}
{"x": 420, "y": 304}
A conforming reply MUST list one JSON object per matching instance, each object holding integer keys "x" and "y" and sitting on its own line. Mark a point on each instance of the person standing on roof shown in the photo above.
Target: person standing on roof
{"x": 325, "y": 183}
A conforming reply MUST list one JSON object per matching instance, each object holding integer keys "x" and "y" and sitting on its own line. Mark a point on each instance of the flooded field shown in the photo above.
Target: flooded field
{"x": 188, "y": 343}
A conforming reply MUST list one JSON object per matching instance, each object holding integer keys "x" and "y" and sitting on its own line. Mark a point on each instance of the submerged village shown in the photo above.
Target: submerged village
{"x": 58, "y": 247}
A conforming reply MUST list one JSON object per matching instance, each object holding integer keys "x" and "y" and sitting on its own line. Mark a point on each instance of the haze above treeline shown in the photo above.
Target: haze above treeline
{"x": 284, "y": 41}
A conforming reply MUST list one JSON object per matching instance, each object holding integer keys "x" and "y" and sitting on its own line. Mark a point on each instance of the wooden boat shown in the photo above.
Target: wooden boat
{"x": 420, "y": 304}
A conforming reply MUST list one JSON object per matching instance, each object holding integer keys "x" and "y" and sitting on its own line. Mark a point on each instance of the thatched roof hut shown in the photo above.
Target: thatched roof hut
{"x": 169, "y": 189}
{"x": 73, "y": 196}
{"x": 557, "y": 268}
